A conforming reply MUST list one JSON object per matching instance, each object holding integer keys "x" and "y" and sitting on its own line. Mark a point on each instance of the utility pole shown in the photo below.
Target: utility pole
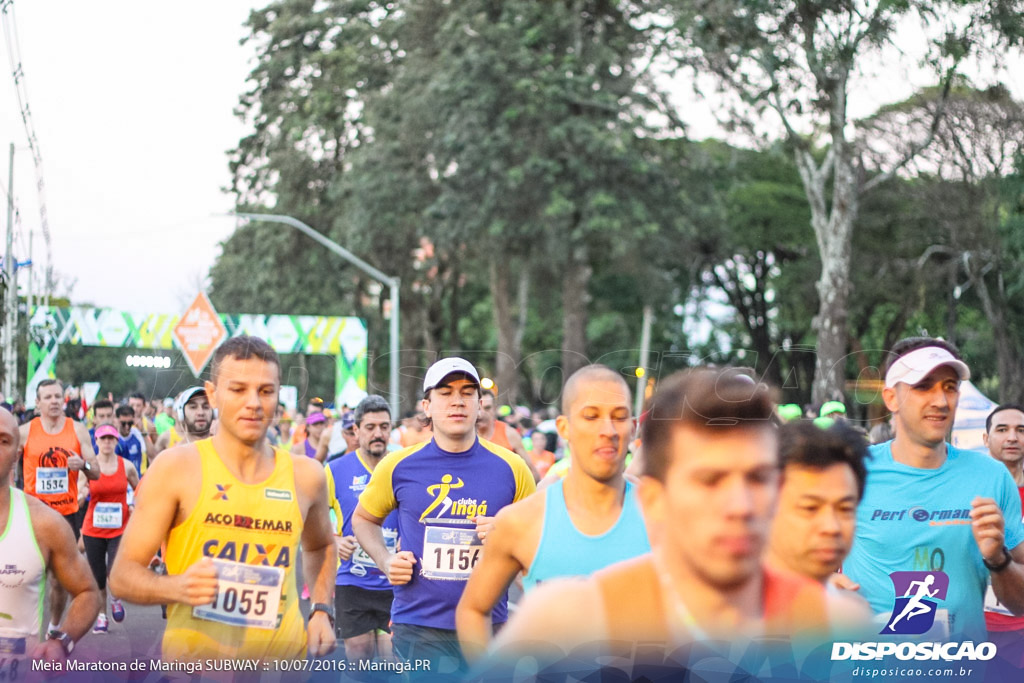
{"x": 11, "y": 292}
{"x": 29, "y": 301}
{"x": 645, "y": 349}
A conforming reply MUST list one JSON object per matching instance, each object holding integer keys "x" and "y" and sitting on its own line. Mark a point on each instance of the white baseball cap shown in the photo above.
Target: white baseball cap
{"x": 915, "y": 366}
{"x": 448, "y": 366}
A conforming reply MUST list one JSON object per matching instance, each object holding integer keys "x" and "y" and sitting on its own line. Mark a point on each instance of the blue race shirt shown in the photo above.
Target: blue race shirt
{"x": 437, "y": 494}
{"x": 918, "y": 520}
{"x": 565, "y": 551}
{"x": 131, "y": 448}
{"x": 351, "y": 475}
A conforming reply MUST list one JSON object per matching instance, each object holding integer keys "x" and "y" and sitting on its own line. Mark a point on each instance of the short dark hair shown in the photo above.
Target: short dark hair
{"x": 102, "y": 403}
{"x": 998, "y": 409}
{"x": 138, "y": 395}
{"x": 488, "y": 392}
{"x": 905, "y": 346}
{"x": 124, "y": 410}
{"x": 371, "y": 404}
{"x": 244, "y": 347}
{"x": 48, "y": 382}
{"x": 704, "y": 398}
{"x": 804, "y": 444}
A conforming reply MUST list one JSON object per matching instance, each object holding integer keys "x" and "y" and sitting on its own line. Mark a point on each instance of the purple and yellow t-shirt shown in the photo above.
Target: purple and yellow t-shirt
{"x": 437, "y": 494}
{"x": 351, "y": 475}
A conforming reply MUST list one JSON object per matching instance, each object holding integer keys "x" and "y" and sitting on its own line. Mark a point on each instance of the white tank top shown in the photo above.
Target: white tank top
{"x": 22, "y": 573}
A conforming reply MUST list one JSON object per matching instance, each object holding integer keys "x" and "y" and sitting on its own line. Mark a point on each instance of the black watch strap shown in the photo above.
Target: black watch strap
{"x": 1003, "y": 564}
{"x": 64, "y": 639}
{"x": 325, "y": 608}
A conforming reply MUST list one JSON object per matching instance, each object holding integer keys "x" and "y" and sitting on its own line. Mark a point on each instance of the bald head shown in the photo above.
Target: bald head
{"x": 586, "y": 375}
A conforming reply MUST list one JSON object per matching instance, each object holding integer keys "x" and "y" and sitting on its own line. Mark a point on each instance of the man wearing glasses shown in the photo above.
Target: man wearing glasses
{"x": 132, "y": 444}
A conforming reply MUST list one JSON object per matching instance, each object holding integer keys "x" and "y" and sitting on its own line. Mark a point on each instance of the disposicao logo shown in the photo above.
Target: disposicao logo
{"x": 917, "y": 596}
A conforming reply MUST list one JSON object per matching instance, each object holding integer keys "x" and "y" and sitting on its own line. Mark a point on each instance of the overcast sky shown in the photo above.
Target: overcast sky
{"x": 132, "y": 104}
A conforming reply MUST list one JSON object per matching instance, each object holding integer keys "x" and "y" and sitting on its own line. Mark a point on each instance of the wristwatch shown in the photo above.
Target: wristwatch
{"x": 63, "y": 638}
{"x": 995, "y": 568}
{"x": 87, "y": 467}
{"x": 325, "y": 608}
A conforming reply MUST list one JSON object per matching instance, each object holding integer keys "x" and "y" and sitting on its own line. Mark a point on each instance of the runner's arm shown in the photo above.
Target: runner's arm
{"x": 161, "y": 444}
{"x": 491, "y": 577}
{"x": 370, "y": 535}
{"x": 318, "y": 551}
{"x": 83, "y": 490}
{"x": 70, "y": 568}
{"x": 131, "y": 474}
{"x": 559, "y": 614}
{"x": 85, "y": 441}
{"x": 323, "y": 445}
{"x": 155, "y": 510}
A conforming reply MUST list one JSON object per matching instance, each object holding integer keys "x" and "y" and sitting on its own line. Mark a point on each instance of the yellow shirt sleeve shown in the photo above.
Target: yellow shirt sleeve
{"x": 332, "y": 500}
{"x": 525, "y": 485}
{"x": 378, "y": 498}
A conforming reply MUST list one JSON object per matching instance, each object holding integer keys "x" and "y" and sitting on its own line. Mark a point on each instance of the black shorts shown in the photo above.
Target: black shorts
{"x": 74, "y": 520}
{"x": 359, "y": 610}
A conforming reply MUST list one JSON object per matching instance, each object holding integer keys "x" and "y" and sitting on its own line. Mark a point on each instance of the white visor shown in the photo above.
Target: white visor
{"x": 915, "y": 366}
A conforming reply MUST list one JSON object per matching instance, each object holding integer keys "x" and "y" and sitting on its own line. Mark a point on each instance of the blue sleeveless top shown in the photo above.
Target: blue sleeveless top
{"x": 564, "y": 551}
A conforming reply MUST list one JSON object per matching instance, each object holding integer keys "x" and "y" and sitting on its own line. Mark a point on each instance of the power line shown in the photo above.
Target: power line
{"x": 10, "y": 26}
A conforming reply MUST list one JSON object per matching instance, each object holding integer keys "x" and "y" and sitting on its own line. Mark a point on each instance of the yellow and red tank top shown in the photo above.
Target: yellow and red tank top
{"x": 47, "y": 476}
{"x": 252, "y": 532}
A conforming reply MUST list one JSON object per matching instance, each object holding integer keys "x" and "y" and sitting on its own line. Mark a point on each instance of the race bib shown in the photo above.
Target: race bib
{"x": 360, "y": 556}
{"x": 247, "y": 595}
{"x": 108, "y": 516}
{"x": 450, "y": 554}
{"x": 993, "y": 605}
{"x": 14, "y": 664}
{"x": 51, "y": 480}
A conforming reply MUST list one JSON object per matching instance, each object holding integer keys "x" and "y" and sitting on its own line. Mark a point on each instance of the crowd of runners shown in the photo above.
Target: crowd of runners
{"x": 715, "y": 515}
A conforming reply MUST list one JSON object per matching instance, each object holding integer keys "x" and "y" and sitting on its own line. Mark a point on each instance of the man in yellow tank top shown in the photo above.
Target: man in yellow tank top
{"x": 232, "y": 511}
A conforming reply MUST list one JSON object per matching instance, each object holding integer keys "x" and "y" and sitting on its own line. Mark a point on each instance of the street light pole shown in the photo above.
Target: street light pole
{"x": 393, "y": 282}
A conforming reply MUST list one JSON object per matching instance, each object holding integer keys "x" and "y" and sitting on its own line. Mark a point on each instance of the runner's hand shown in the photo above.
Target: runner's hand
{"x": 199, "y": 583}
{"x": 320, "y": 638}
{"x": 76, "y": 462}
{"x": 48, "y": 651}
{"x": 843, "y": 582}
{"x": 346, "y": 546}
{"x": 399, "y": 567}
{"x": 987, "y": 525}
{"x": 484, "y": 525}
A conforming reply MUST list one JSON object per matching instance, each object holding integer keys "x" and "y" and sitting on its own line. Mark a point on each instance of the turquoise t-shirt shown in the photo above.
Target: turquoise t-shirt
{"x": 918, "y": 520}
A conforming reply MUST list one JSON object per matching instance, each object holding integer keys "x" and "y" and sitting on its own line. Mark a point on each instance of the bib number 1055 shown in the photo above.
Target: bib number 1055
{"x": 247, "y": 596}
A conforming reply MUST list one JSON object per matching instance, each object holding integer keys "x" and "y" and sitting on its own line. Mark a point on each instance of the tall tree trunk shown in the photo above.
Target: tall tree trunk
{"x": 510, "y": 322}
{"x": 1008, "y": 357}
{"x": 833, "y": 230}
{"x": 575, "y": 280}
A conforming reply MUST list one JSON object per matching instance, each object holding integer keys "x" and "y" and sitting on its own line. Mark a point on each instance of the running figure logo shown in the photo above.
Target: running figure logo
{"x": 441, "y": 491}
{"x": 917, "y": 594}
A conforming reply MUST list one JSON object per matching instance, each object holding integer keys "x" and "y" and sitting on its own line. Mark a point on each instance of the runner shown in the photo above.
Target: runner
{"x": 35, "y": 542}
{"x": 822, "y": 482}
{"x": 918, "y": 478}
{"x": 489, "y": 428}
{"x": 232, "y": 511}
{"x": 443, "y": 491}
{"x": 107, "y": 516}
{"x": 418, "y": 430}
{"x": 362, "y": 595}
{"x": 194, "y": 418}
{"x": 142, "y": 422}
{"x": 315, "y": 425}
{"x": 580, "y": 524}
{"x": 55, "y": 449}
{"x": 709, "y": 488}
{"x": 132, "y": 444}
{"x": 823, "y": 479}
{"x": 1004, "y": 438}
{"x": 102, "y": 414}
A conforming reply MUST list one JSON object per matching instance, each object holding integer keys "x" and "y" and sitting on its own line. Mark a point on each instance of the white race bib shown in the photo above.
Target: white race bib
{"x": 450, "y": 554}
{"x": 360, "y": 556}
{"x": 107, "y": 516}
{"x": 51, "y": 480}
{"x": 247, "y": 595}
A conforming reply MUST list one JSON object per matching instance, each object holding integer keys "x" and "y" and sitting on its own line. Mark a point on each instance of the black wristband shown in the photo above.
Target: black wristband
{"x": 995, "y": 568}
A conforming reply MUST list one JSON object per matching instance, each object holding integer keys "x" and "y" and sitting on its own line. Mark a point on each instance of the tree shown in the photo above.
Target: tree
{"x": 793, "y": 64}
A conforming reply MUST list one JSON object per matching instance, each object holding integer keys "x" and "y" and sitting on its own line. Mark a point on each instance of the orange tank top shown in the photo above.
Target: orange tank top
{"x": 500, "y": 435}
{"x": 635, "y": 606}
{"x": 47, "y": 476}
